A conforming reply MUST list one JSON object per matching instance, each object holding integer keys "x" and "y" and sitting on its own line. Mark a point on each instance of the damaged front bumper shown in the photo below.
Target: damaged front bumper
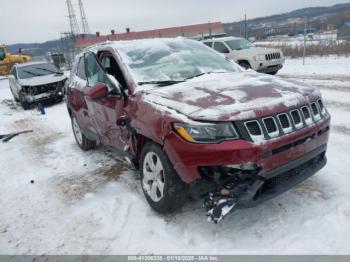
{"x": 230, "y": 195}
{"x": 44, "y": 97}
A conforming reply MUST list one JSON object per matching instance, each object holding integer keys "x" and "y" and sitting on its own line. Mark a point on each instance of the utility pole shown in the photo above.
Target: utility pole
{"x": 84, "y": 22}
{"x": 245, "y": 26}
{"x": 72, "y": 19}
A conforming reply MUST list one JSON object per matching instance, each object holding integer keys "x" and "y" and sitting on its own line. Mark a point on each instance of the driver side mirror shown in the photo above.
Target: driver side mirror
{"x": 98, "y": 91}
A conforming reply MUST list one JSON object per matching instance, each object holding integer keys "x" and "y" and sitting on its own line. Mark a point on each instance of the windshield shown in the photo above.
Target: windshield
{"x": 36, "y": 70}
{"x": 171, "y": 59}
{"x": 239, "y": 44}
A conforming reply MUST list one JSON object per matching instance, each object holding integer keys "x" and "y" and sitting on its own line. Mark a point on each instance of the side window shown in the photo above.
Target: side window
{"x": 81, "y": 69}
{"x": 112, "y": 68}
{"x": 221, "y": 48}
{"x": 14, "y": 72}
{"x": 2, "y": 54}
{"x": 210, "y": 44}
{"x": 94, "y": 73}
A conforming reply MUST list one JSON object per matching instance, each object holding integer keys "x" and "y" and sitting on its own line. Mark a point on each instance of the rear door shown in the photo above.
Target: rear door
{"x": 106, "y": 111}
{"x": 77, "y": 87}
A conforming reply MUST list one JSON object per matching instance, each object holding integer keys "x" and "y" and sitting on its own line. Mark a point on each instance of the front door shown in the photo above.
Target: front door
{"x": 105, "y": 112}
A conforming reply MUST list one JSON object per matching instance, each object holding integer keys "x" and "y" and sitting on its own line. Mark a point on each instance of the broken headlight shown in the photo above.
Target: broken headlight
{"x": 206, "y": 133}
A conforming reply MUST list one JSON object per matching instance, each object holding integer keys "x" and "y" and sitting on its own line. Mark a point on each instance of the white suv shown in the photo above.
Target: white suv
{"x": 247, "y": 55}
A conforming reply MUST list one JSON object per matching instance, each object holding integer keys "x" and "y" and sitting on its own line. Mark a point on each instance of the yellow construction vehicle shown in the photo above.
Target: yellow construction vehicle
{"x": 7, "y": 60}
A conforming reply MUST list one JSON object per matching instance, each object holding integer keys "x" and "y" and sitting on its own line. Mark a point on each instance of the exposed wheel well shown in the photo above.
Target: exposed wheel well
{"x": 243, "y": 61}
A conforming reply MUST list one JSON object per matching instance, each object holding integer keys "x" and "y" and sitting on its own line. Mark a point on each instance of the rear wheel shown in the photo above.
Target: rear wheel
{"x": 164, "y": 190}
{"x": 82, "y": 141}
{"x": 245, "y": 65}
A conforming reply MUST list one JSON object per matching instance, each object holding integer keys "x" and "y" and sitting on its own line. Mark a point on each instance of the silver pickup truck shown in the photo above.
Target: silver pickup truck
{"x": 247, "y": 55}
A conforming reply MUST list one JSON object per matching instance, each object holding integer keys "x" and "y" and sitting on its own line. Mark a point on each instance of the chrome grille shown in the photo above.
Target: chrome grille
{"x": 273, "y": 56}
{"x": 296, "y": 118}
{"x": 306, "y": 112}
{"x": 271, "y": 126}
{"x": 321, "y": 106}
{"x": 314, "y": 109}
{"x": 284, "y": 123}
{"x": 254, "y": 128}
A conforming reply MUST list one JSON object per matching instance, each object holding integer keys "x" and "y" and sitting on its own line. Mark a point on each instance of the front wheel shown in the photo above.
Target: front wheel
{"x": 164, "y": 190}
{"x": 245, "y": 65}
{"x": 82, "y": 141}
{"x": 23, "y": 102}
{"x": 14, "y": 97}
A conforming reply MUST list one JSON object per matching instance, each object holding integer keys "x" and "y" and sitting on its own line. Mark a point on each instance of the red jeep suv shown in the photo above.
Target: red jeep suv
{"x": 195, "y": 123}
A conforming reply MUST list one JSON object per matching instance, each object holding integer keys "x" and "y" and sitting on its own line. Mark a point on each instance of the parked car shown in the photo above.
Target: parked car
{"x": 196, "y": 123}
{"x": 35, "y": 82}
{"x": 247, "y": 55}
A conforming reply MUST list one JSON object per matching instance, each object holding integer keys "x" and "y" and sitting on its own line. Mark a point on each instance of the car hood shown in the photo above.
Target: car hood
{"x": 41, "y": 80}
{"x": 231, "y": 96}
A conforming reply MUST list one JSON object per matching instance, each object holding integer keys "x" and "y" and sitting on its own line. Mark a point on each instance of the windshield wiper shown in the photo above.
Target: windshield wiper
{"x": 161, "y": 83}
{"x": 205, "y": 73}
{"x": 28, "y": 72}
{"x": 48, "y": 70}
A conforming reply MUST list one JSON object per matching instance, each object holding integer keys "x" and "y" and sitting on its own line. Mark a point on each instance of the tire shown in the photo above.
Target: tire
{"x": 83, "y": 142}
{"x": 273, "y": 73}
{"x": 23, "y": 102}
{"x": 14, "y": 97}
{"x": 161, "y": 175}
{"x": 245, "y": 65}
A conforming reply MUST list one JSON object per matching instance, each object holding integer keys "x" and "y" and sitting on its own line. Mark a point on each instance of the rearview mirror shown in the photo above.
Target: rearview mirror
{"x": 98, "y": 91}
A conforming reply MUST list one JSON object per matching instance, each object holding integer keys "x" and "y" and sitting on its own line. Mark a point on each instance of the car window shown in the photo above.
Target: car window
{"x": 2, "y": 53}
{"x": 81, "y": 69}
{"x": 210, "y": 44}
{"x": 239, "y": 44}
{"x": 221, "y": 48}
{"x": 106, "y": 62}
{"x": 94, "y": 72}
{"x": 112, "y": 68}
{"x": 13, "y": 71}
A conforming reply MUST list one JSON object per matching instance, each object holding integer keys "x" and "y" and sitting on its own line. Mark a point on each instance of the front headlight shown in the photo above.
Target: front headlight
{"x": 206, "y": 133}
{"x": 261, "y": 57}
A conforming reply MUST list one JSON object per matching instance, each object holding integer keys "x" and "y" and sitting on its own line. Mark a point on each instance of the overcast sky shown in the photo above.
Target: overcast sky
{"x": 24, "y": 21}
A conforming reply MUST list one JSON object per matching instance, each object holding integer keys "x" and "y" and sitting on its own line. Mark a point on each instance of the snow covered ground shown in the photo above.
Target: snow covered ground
{"x": 56, "y": 199}
{"x": 325, "y": 38}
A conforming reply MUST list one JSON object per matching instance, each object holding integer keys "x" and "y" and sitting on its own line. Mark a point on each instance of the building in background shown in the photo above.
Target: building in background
{"x": 344, "y": 31}
{"x": 190, "y": 31}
